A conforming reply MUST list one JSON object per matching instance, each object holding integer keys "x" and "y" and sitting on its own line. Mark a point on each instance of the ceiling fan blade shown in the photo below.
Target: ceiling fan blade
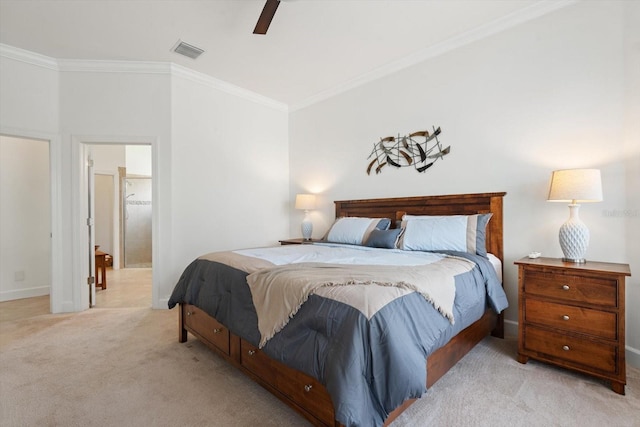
{"x": 266, "y": 16}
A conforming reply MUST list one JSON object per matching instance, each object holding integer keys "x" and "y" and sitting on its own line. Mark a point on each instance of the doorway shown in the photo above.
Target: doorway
{"x": 123, "y": 220}
{"x": 25, "y": 218}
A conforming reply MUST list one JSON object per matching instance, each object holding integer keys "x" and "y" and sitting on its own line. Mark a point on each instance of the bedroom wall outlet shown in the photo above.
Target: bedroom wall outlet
{"x": 18, "y": 276}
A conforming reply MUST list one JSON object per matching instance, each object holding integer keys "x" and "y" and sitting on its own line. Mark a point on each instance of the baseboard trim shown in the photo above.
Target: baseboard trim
{"x": 632, "y": 356}
{"x": 24, "y": 293}
{"x": 510, "y": 328}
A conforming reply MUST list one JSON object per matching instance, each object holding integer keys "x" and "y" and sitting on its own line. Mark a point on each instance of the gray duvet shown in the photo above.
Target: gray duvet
{"x": 369, "y": 366}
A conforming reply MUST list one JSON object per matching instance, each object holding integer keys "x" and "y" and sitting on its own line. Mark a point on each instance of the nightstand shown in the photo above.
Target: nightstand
{"x": 298, "y": 241}
{"x": 572, "y": 315}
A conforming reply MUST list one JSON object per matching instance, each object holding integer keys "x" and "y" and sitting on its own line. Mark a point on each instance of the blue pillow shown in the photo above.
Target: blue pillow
{"x": 355, "y": 230}
{"x": 386, "y": 239}
{"x": 465, "y": 233}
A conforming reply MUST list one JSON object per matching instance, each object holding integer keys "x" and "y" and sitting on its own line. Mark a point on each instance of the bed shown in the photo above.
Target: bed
{"x": 316, "y": 370}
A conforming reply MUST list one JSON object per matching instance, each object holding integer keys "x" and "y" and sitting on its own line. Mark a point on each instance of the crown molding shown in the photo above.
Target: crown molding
{"x": 168, "y": 68}
{"x": 101, "y": 66}
{"x": 28, "y": 57}
{"x": 136, "y": 67}
{"x": 212, "y": 82}
{"x": 498, "y": 25}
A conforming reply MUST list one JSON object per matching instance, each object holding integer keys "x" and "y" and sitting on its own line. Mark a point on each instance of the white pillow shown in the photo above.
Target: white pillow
{"x": 352, "y": 230}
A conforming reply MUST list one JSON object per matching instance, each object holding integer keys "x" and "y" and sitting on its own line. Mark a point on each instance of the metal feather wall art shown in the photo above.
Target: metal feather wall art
{"x": 419, "y": 149}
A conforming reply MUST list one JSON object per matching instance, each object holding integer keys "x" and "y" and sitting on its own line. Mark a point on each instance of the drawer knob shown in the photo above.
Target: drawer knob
{"x": 251, "y": 352}
{"x": 565, "y": 317}
{"x": 565, "y": 287}
{"x": 565, "y": 347}
{"x": 307, "y": 388}
{"x": 217, "y": 330}
{"x": 188, "y": 313}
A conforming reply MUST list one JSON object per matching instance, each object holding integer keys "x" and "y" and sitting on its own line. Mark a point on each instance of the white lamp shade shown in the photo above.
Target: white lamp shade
{"x": 575, "y": 186}
{"x": 305, "y": 201}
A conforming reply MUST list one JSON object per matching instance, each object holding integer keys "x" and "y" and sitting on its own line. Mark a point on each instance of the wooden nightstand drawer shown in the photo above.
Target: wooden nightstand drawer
{"x": 579, "y": 352}
{"x": 579, "y": 289}
{"x": 571, "y": 318}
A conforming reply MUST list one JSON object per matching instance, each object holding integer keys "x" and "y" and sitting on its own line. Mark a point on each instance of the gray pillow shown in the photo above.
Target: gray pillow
{"x": 481, "y": 234}
{"x": 383, "y": 238}
{"x": 384, "y": 224}
{"x": 348, "y": 230}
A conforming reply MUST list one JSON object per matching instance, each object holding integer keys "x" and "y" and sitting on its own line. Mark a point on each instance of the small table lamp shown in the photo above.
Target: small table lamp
{"x": 306, "y": 202}
{"x": 574, "y": 186}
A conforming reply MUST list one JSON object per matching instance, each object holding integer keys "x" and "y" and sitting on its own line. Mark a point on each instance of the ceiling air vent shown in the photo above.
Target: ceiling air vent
{"x": 187, "y": 50}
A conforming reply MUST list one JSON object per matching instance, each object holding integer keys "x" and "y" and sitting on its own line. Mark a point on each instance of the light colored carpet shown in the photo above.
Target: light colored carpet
{"x": 124, "y": 367}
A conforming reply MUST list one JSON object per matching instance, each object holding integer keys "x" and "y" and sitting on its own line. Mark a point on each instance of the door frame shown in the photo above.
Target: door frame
{"x": 79, "y": 179}
{"x": 57, "y": 303}
{"x": 90, "y": 195}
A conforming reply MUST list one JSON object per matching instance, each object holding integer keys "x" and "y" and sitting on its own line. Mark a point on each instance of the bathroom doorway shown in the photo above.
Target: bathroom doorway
{"x": 123, "y": 222}
{"x": 137, "y": 224}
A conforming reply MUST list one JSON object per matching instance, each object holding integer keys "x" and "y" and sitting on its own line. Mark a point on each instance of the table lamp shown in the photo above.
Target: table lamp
{"x": 306, "y": 202}
{"x": 575, "y": 186}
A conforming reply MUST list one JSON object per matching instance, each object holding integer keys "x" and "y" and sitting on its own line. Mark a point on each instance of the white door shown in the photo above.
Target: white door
{"x": 91, "y": 207}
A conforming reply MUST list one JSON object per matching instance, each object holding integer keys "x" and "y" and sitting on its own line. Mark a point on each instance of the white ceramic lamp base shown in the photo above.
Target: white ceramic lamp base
{"x": 574, "y": 237}
{"x": 307, "y": 227}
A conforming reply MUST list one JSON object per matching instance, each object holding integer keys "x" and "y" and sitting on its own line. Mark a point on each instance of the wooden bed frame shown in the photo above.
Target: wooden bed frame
{"x": 304, "y": 393}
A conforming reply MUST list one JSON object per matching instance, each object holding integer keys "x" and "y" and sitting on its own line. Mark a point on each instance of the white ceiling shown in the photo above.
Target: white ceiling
{"x": 311, "y": 48}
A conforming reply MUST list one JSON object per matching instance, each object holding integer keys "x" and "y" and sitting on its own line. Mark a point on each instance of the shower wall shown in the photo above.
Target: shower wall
{"x": 137, "y": 222}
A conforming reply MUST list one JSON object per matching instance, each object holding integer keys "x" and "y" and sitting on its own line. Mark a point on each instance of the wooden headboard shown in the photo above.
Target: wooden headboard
{"x": 456, "y": 204}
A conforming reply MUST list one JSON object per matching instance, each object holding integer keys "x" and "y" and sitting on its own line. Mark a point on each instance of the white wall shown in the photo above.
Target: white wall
{"x": 108, "y": 158}
{"x": 545, "y": 95}
{"x": 118, "y": 107}
{"x": 25, "y": 245}
{"x": 138, "y": 160}
{"x": 29, "y": 100}
{"x": 631, "y": 208}
{"x": 230, "y": 183}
